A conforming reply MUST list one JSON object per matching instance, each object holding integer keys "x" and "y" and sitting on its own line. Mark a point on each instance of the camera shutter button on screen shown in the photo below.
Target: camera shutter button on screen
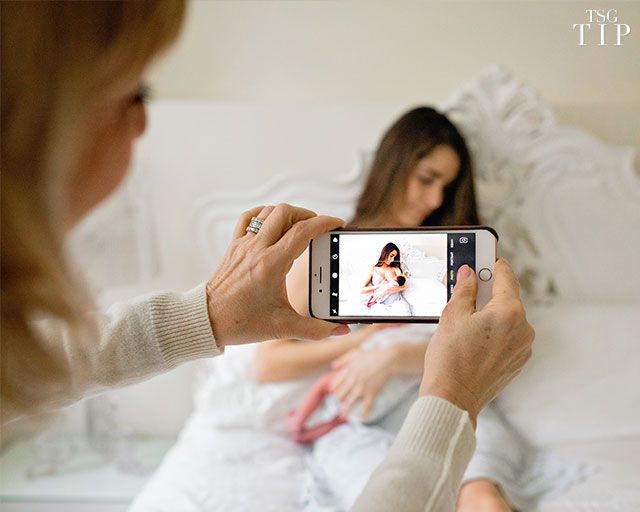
{"x": 485, "y": 274}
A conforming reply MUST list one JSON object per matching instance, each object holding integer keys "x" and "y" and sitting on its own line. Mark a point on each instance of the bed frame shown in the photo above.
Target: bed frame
{"x": 565, "y": 203}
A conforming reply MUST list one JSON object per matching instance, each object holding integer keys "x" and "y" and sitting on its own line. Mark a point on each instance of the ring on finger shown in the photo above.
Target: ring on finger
{"x": 255, "y": 225}
{"x": 256, "y": 222}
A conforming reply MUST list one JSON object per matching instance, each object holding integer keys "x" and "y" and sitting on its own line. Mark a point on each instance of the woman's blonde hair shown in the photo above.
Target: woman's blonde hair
{"x": 58, "y": 60}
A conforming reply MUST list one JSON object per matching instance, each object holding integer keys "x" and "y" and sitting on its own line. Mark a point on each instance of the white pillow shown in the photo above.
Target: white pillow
{"x": 420, "y": 290}
{"x": 583, "y": 380}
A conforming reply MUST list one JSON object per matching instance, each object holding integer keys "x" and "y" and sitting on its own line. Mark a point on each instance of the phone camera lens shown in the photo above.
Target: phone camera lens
{"x": 320, "y": 291}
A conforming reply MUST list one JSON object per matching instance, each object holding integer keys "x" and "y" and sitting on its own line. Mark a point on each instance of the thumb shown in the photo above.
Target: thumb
{"x": 306, "y": 328}
{"x": 465, "y": 291}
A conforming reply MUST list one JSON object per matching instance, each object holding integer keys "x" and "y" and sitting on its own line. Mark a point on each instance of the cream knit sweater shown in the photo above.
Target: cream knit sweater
{"x": 153, "y": 334}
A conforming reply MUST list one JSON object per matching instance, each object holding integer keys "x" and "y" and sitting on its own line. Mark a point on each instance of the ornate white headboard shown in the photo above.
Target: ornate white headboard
{"x": 216, "y": 214}
{"x": 567, "y": 205}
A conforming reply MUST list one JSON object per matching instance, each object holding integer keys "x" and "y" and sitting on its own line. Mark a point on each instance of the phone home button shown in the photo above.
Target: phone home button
{"x": 485, "y": 274}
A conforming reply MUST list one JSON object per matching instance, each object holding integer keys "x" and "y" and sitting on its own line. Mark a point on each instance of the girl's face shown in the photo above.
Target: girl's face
{"x": 391, "y": 257}
{"x": 426, "y": 185}
{"x": 117, "y": 123}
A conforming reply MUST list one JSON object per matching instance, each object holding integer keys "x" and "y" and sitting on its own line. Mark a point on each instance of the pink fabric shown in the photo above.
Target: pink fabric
{"x": 297, "y": 418}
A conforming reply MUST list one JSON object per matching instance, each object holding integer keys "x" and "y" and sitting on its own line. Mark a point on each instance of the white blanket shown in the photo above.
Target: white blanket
{"x": 233, "y": 454}
{"x": 212, "y": 469}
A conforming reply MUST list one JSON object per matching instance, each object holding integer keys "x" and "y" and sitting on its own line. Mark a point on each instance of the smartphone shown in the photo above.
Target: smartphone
{"x": 396, "y": 275}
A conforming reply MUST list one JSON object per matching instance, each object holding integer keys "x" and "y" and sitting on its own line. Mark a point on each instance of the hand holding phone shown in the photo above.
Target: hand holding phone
{"x": 473, "y": 354}
{"x": 246, "y": 296}
{"x": 395, "y": 275}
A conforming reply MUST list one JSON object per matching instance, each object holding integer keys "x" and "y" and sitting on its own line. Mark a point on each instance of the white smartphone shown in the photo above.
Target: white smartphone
{"x": 396, "y": 275}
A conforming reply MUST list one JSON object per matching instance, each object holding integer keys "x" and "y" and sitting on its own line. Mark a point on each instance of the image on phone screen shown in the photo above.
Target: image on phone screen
{"x": 396, "y": 274}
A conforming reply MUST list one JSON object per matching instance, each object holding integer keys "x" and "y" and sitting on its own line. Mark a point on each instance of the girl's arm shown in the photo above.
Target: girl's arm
{"x": 368, "y": 289}
{"x": 388, "y": 291}
{"x": 396, "y": 288}
{"x": 278, "y": 360}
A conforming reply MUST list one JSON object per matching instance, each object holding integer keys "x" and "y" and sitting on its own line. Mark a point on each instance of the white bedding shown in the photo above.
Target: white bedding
{"x": 219, "y": 470}
{"x": 233, "y": 454}
{"x": 614, "y": 487}
{"x": 213, "y": 469}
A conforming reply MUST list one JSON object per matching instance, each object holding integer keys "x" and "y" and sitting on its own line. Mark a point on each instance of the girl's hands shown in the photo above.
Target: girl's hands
{"x": 246, "y": 296}
{"x": 380, "y": 295}
{"x": 361, "y": 376}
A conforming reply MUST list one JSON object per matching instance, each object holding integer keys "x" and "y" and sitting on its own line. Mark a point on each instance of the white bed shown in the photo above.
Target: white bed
{"x": 566, "y": 206}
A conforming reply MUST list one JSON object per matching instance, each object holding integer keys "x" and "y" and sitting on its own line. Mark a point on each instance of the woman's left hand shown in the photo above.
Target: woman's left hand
{"x": 361, "y": 376}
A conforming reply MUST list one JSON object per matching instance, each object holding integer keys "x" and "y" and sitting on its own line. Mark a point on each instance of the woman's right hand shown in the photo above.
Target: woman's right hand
{"x": 473, "y": 354}
{"x": 246, "y": 296}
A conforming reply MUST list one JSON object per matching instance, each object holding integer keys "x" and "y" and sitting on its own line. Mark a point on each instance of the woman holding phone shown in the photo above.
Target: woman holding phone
{"x": 72, "y": 105}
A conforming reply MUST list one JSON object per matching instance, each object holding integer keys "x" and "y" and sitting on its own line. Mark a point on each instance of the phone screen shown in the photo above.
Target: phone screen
{"x": 396, "y": 274}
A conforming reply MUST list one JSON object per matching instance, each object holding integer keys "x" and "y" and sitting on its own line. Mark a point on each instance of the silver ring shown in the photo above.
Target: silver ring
{"x": 255, "y": 225}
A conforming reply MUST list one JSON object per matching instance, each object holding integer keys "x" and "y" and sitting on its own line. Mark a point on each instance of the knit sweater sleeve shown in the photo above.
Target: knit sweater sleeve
{"x": 131, "y": 341}
{"x": 423, "y": 469}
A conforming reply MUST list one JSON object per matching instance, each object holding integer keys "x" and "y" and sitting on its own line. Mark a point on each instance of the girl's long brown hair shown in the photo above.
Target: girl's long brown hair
{"x": 412, "y": 137}
{"x": 59, "y": 59}
{"x": 384, "y": 254}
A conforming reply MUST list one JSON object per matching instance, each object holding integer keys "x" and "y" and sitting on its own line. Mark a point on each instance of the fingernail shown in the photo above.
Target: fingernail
{"x": 463, "y": 272}
{"x": 341, "y": 330}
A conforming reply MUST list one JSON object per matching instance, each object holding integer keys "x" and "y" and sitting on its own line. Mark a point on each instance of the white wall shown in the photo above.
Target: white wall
{"x": 411, "y": 51}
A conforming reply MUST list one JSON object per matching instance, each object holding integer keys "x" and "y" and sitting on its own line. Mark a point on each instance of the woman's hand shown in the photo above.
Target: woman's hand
{"x": 380, "y": 295}
{"x": 473, "y": 354}
{"x": 361, "y": 375}
{"x": 246, "y": 296}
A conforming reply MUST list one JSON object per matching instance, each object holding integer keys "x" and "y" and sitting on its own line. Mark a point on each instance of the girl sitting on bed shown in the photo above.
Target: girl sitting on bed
{"x": 421, "y": 176}
{"x": 385, "y": 282}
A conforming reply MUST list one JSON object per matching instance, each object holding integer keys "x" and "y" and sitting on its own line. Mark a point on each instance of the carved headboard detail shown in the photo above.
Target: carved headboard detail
{"x": 216, "y": 214}
{"x": 565, "y": 203}
{"x": 562, "y": 200}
